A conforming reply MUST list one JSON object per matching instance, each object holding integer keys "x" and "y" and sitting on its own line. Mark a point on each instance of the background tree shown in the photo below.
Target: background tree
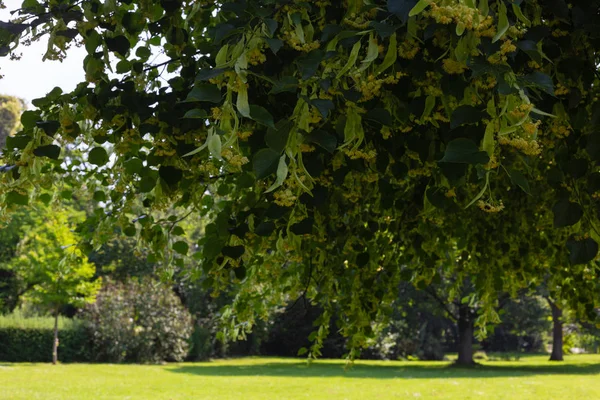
{"x": 48, "y": 260}
{"x": 10, "y": 115}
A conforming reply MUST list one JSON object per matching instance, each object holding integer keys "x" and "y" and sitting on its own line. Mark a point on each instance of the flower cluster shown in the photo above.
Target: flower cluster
{"x": 490, "y": 207}
{"x": 528, "y": 147}
{"x": 454, "y": 67}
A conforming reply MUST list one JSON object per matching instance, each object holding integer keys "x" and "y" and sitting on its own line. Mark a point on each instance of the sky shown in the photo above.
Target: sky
{"x": 30, "y": 77}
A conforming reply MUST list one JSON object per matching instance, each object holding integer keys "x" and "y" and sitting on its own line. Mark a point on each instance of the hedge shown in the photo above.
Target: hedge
{"x": 35, "y": 344}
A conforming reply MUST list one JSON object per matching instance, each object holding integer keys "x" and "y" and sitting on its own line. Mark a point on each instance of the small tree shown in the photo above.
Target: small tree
{"x": 58, "y": 273}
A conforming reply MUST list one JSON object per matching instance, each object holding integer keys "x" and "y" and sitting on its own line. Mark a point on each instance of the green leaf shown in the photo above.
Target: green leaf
{"x": 133, "y": 165}
{"x": 489, "y": 143}
{"x": 147, "y": 184}
{"x": 419, "y": 8}
{"x": 265, "y": 228}
{"x": 520, "y": 180}
{"x": 205, "y": 92}
{"x": 517, "y": 10}
{"x": 464, "y": 151}
{"x": 261, "y": 115}
{"x": 351, "y": 60}
{"x": 582, "y": 251}
{"x": 503, "y": 24}
{"x": 302, "y": 351}
{"x": 181, "y": 247}
{"x": 282, "y": 173}
{"x": 98, "y": 156}
{"x": 390, "y": 56}
{"x": 566, "y": 213}
{"x": 45, "y": 198}
{"x": 372, "y": 53}
{"x": 16, "y": 198}
{"x": 99, "y": 195}
{"x": 264, "y": 162}
{"x": 214, "y": 146}
{"x": 130, "y": 230}
{"x": 196, "y": 113}
{"x": 51, "y": 151}
{"x": 242, "y": 101}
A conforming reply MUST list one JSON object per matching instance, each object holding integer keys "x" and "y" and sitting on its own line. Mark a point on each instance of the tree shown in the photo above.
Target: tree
{"x": 55, "y": 270}
{"x": 330, "y": 143}
{"x": 10, "y": 113}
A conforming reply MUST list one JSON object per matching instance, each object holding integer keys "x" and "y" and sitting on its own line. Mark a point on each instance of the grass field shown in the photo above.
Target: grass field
{"x": 274, "y": 378}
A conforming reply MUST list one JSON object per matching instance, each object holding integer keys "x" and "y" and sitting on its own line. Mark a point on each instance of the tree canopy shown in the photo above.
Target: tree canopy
{"x": 336, "y": 147}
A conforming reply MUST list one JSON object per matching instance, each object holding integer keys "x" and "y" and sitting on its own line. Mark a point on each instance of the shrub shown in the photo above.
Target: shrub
{"x": 30, "y": 339}
{"x": 138, "y": 322}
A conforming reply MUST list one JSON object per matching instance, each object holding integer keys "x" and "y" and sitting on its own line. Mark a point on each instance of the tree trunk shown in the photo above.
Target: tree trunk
{"x": 557, "y": 332}
{"x": 55, "y": 343}
{"x": 465, "y": 336}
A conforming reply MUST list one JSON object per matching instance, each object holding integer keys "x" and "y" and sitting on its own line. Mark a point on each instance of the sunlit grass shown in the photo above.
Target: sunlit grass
{"x": 276, "y": 378}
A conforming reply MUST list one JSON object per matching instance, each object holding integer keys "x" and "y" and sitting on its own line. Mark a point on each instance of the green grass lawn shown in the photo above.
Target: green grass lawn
{"x": 275, "y": 378}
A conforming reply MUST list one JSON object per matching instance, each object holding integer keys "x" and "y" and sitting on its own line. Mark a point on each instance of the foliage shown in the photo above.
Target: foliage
{"x": 524, "y": 328}
{"x": 10, "y": 112}
{"x": 337, "y": 147}
{"x": 29, "y": 341}
{"x": 47, "y": 258}
{"x": 259, "y": 378}
{"x": 138, "y": 322}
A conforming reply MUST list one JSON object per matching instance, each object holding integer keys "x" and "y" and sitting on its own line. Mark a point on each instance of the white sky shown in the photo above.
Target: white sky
{"x": 29, "y": 77}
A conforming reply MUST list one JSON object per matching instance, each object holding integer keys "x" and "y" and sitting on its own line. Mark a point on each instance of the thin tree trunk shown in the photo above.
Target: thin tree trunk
{"x": 55, "y": 342}
{"x": 465, "y": 336}
{"x": 557, "y": 332}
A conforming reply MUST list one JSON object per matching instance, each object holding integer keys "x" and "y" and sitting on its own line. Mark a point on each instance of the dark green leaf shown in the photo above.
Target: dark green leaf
{"x": 171, "y": 175}
{"x": 196, "y": 113}
{"x": 181, "y": 247}
{"x": 205, "y": 92}
{"x": 261, "y": 115}
{"x": 285, "y": 84}
{"x": 51, "y": 151}
{"x": 49, "y": 127}
{"x": 206, "y": 74}
{"x": 582, "y": 251}
{"x": 380, "y": 115}
{"x": 16, "y": 198}
{"x": 119, "y": 44}
{"x": 541, "y": 81}
{"x": 274, "y": 44}
{"x": 401, "y": 8}
{"x": 98, "y": 156}
{"x": 323, "y": 139}
{"x": 324, "y": 106}
{"x": 264, "y": 228}
{"x": 147, "y": 184}
{"x": 309, "y": 63}
{"x": 265, "y": 162}
{"x": 234, "y": 252}
{"x": 99, "y": 195}
{"x": 566, "y": 213}
{"x": 465, "y": 115}
{"x": 134, "y": 165}
{"x": 464, "y": 151}
{"x": 520, "y": 180}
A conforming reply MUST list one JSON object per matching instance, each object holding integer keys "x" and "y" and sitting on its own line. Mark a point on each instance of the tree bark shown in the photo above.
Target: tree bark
{"x": 557, "y": 332}
{"x": 465, "y": 336}
{"x": 55, "y": 342}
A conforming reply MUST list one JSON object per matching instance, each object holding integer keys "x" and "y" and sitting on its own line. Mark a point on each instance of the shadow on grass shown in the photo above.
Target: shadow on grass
{"x": 406, "y": 371}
